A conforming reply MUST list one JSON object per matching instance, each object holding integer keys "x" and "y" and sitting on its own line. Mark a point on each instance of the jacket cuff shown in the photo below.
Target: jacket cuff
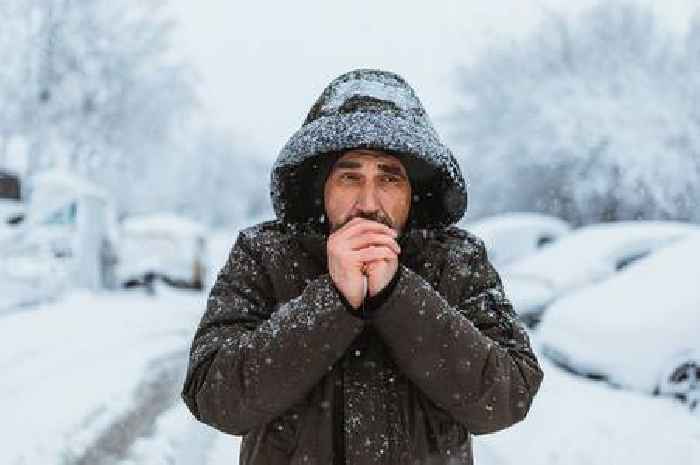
{"x": 369, "y": 307}
{"x": 411, "y": 288}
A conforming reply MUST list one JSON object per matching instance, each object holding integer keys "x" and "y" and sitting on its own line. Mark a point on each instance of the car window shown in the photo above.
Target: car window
{"x": 65, "y": 215}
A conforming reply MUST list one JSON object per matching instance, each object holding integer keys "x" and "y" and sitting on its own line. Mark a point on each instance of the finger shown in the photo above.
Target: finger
{"x": 350, "y": 223}
{"x": 372, "y": 264}
{"x": 365, "y": 240}
{"x": 375, "y": 253}
{"x": 362, "y": 225}
{"x": 349, "y": 228}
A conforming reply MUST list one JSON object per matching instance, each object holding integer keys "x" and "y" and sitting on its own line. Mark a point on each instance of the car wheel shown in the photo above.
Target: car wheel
{"x": 683, "y": 382}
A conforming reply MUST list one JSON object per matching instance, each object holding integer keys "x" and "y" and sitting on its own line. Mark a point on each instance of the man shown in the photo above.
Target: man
{"x": 361, "y": 326}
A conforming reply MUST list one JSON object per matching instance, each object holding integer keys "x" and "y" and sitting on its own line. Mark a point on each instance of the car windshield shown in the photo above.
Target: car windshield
{"x": 64, "y": 215}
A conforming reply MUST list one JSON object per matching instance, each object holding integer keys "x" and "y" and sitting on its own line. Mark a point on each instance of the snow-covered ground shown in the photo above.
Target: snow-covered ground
{"x": 95, "y": 378}
{"x": 88, "y": 374}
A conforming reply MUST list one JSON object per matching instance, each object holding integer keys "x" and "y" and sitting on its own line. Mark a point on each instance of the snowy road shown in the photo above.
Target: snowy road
{"x": 155, "y": 394}
{"x": 95, "y": 379}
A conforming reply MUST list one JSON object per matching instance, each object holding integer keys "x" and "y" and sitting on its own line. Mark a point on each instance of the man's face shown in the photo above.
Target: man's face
{"x": 369, "y": 184}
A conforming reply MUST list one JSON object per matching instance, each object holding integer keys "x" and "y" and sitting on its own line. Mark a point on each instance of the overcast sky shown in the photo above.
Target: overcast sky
{"x": 262, "y": 64}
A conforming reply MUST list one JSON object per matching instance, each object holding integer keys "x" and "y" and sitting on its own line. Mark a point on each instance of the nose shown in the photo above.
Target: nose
{"x": 368, "y": 201}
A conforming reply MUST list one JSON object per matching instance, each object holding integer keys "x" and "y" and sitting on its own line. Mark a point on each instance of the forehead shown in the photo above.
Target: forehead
{"x": 371, "y": 156}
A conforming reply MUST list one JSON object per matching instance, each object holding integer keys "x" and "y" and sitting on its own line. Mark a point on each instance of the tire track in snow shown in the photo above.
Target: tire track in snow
{"x": 156, "y": 393}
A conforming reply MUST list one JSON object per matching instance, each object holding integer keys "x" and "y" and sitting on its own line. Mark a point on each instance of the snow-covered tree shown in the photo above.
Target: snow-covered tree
{"x": 590, "y": 118}
{"x": 95, "y": 87}
{"x": 91, "y": 85}
{"x": 225, "y": 185}
{"x": 209, "y": 178}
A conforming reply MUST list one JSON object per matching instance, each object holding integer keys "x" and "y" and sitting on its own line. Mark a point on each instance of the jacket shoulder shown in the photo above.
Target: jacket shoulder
{"x": 462, "y": 240}
{"x": 265, "y": 240}
{"x": 264, "y": 233}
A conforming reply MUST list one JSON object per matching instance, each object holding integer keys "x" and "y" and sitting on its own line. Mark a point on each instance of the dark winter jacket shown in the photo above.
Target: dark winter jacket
{"x": 280, "y": 357}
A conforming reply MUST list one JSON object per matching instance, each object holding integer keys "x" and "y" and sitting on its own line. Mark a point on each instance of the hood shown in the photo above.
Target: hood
{"x": 369, "y": 109}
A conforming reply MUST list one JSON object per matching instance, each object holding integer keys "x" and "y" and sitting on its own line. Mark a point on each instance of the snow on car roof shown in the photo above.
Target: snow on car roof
{"x": 517, "y": 221}
{"x": 511, "y": 236}
{"x": 10, "y": 207}
{"x": 165, "y": 222}
{"x": 593, "y": 249}
{"x": 69, "y": 181}
{"x": 634, "y": 322}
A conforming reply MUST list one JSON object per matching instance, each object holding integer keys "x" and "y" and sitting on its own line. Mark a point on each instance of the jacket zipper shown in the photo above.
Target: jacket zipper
{"x": 339, "y": 416}
{"x": 362, "y": 304}
{"x": 339, "y": 406}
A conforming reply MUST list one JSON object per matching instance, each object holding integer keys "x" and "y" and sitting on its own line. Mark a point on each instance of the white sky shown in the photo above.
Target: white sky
{"x": 262, "y": 64}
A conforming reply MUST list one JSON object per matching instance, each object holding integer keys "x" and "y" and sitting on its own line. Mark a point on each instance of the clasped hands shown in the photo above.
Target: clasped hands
{"x": 363, "y": 256}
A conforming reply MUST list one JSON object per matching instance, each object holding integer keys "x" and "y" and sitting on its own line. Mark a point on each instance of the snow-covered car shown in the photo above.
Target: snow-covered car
{"x": 67, "y": 225}
{"x": 639, "y": 329}
{"x": 510, "y": 236}
{"x": 11, "y": 212}
{"x": 30, "y": 274}
{"x": 583, "y": 257}
{"x": 162, "y": 246}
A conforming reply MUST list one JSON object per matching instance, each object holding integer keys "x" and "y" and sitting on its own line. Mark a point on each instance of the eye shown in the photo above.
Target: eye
{"x": 349, "y": 176}
{"x": 389, "y": 178}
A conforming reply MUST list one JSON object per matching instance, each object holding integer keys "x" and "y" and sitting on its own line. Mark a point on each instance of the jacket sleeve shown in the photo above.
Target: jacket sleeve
{"x": 473, "y": 360}
{"x": 250, "y": 360}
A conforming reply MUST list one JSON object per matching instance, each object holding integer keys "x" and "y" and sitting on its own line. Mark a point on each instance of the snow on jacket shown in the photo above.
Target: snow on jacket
{"x": 280, "y": 357}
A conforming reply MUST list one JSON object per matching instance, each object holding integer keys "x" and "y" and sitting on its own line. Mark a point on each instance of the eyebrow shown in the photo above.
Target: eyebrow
{"x": 391, "y": 169}
{"x": 351, "y": 164}
{"x": 347, "y": 164}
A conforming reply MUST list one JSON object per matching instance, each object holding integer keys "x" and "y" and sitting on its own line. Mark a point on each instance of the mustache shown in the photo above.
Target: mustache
{"x": 372, "y": 217}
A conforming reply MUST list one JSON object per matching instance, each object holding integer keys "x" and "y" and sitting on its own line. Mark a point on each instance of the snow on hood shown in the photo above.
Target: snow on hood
{"x": 369, "y": 109}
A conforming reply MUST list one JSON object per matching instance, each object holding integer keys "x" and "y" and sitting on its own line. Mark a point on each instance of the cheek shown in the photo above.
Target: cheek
{"x": 336, "y": 202}
{"x": 397, "y": 202}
